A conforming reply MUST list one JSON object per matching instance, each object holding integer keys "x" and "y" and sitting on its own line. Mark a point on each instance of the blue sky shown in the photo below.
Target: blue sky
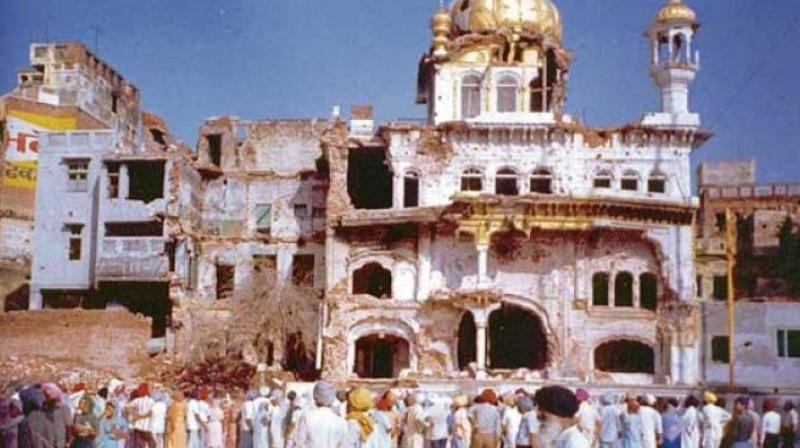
{"x": 194, "y": 59}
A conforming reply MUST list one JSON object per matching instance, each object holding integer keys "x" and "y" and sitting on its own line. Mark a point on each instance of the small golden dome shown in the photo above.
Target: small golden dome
{"x": 676, "y": 11}
{"x": 441, "y": 21}
{"x": 482, "y": 16}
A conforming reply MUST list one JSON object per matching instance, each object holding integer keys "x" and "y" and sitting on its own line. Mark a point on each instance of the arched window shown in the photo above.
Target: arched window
{"x": 630, "y": 181}
{"x": 472, "y": 180}
{"x": 542, "y": 181}
{"x": 600, "y": 289}
{"x": 373, "y": 279}
{"x": 624, "y": 356}
{"x": 657, "y": 183}
{"x": 678, "y": 51}
{"x": 603, "y": 180}
{"x": 411, "y": 189}
{"x": 648, "y": 291}
{"x": 381, "y": 356}
{"x": 470, "y": 96}
{"x": 507, "y": 89}
{"x": 623, "y": 290}
{"x": 506, "y": 182}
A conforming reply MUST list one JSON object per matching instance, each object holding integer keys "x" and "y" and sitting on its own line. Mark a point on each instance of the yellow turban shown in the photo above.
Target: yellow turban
{"x": 461, "y": 401}
{"x": 710, "y": 397}
{"x": 359, "y": 401}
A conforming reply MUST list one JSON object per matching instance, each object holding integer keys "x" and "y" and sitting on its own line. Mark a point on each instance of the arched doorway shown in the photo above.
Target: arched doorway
{"x": 624, "y": 356}
{"x": 381, "y": 356}
{"x": 467, "y": 332}
{"x": 517, "y": 339}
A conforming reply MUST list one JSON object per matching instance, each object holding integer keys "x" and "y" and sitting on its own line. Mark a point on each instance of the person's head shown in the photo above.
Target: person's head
{"x": 14, "y": 408}
{"x": 383, "y": 405}
{"x": 291, "y": 396}
{"x": 52, "y": 394}
{"x": 691, "y": 401}
{"x": 324, "y": 394}
{"x": 108, "y": 412}
{"x": 32, "y": 399}
{"x": 103, "y": 392}
{"x": 672, "y": 402}
{"x": 787, "y": 406}
{"x": 341, "y": 396}
{"x": 740, "y": 404}
{"x": 633, "y": 405}
{"x": 411, "y": 400}
{"x": 359, "y": 400}
{"x": 85, "y": 405}
{"x": 461, "y": 401}
{"x": 710, "y": 397}
{"x": 582, "y": 395}
{"x": 143, "y": 390}
{"x": 524, "y": 404}
{"x": 276, "y": 396}
{"x": 607, "y": 399}
{"x": 556, "y": 406}
{"x": 489, "y": 396}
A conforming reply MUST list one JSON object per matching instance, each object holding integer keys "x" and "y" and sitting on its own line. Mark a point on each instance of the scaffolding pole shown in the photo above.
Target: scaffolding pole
{"x": 731, "y": 306}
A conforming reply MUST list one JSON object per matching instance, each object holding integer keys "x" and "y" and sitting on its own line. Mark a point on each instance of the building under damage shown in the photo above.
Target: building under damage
{"x": 501, "y": 238}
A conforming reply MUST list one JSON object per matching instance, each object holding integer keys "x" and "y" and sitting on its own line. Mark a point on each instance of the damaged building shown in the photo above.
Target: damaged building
{"x": 505, "y": 239}
{"x": 499, "y": 239}
{"x": 765, "y": 229}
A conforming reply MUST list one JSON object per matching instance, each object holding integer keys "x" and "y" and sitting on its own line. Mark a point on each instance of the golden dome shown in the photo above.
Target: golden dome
{"x": 482, "y": 16}
{"x": 676, "y": 11}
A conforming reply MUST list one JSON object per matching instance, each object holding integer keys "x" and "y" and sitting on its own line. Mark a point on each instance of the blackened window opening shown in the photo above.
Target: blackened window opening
{"x": 369, "y": 180}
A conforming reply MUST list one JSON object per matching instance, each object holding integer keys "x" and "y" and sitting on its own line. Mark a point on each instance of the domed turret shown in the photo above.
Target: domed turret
{"x": 485, "y": 16}
{"x": 676, "y": 12}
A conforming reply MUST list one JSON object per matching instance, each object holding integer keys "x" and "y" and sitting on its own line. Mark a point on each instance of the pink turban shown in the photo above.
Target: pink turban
{"x": 51, "y": 392}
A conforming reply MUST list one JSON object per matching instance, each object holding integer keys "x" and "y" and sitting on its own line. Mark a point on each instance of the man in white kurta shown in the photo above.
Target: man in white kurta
{"x": 651, "y": 423}
{"x": 261, "y": 419}
{"x": 588, "y": 418}
{"x": 321, "y": 427}
{"x": 714, "y": 418}
{"x": 413, "y": 423}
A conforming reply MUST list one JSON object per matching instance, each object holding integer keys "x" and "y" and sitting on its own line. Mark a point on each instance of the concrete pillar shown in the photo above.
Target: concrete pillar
{"x": 480, "y": 345}
{"x": 398, "y": 190}
{"x": 483, "y": 263}
{"x": 424, "y": 264}
{"x": 124, "y": 182}
{"x": 35, "y": 301}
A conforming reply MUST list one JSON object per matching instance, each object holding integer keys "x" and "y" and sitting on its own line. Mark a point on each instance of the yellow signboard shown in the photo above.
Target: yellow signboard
{"x": 22, "y": 144}
{"x": 20, "y": 174}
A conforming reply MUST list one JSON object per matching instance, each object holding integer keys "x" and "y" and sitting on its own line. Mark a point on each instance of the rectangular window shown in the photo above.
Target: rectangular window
{"x": 698, "y": 283}
{"x": 74, "y": 233}
{"x": 656, "y": 185}
{"x": 214, "y": 149}
{"x": 720, "y": 287}
{"x": 303, "y": 270}
{"x": 300, "y": 211}
{"x": 263, "y": 217}
{"x": 318, "y": 212}
{"x": 789, "y": 343}
{"x": 77, "y": 175}
{"x": 630, "y": 184}
{"x": 602, "y": 182}
{"x": 719, "y": 350}
{"x": 720, "y": 222}
{"x": 134, "y": 229}
{"x": 226, "y": 276}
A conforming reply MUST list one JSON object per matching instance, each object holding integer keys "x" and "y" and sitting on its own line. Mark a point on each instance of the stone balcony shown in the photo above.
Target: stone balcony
{"x": 135, "y": 259}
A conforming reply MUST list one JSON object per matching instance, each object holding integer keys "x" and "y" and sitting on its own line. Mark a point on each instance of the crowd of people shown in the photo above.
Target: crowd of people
{"x": 119, "y": 416}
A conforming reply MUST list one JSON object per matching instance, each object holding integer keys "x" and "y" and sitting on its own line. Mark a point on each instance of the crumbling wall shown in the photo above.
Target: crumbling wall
{"x": 726, "y": 173}
{"x": 108, "y": 340}
{"x": 283, "y": 147}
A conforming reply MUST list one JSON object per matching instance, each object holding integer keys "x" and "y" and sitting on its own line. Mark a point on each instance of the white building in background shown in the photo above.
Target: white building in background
{"x": 506, "y": 239}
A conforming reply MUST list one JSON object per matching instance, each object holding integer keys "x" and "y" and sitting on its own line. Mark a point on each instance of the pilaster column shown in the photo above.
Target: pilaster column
{"x": 397, "y": 190}
{"x": 483, "y": 262}
{"x": 423, "y": 263}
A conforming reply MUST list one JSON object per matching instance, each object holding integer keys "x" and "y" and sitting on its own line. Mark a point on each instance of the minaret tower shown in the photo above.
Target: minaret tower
{"x": 674, "y": 64}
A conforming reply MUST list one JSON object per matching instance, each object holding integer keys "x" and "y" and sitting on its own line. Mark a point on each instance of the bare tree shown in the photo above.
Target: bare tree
{"x": 267, "y": 320}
